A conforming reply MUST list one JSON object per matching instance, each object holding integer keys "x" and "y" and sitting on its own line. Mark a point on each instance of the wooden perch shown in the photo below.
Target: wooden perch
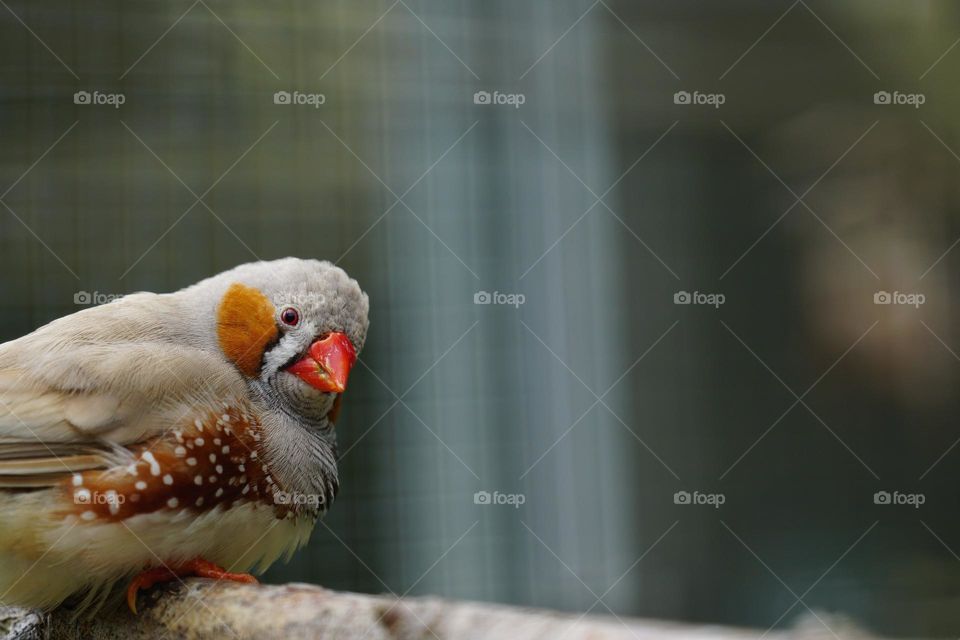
{"x": 204, "y": 610}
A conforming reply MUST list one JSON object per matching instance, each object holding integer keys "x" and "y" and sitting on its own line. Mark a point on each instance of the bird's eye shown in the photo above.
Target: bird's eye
{"x": 290, "y": 317}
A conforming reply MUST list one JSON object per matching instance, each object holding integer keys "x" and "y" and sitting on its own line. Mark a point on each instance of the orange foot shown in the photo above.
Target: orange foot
{"x": 196, "y": 567}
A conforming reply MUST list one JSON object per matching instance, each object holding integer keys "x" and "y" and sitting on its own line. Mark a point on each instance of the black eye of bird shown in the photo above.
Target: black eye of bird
{"x": 290, "y": 317}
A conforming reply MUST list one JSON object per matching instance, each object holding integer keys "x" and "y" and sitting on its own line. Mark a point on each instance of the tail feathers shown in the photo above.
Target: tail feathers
{"x": 43, "y": 587}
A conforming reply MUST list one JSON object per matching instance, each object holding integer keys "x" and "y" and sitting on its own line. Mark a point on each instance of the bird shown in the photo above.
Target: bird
{"x": 177, "y": 434}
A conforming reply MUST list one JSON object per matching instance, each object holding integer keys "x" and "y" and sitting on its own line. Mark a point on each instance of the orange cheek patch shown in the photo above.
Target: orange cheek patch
{"x": 245, "y": 326}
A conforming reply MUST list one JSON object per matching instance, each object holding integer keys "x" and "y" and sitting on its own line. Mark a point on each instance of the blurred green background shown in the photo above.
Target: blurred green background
{"x": 599, "y": 198}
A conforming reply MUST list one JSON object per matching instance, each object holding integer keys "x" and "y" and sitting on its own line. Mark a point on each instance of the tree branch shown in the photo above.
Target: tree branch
{"x": 202, "y": 610}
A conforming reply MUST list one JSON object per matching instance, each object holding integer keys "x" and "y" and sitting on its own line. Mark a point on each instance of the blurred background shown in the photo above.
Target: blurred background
{"x": 584, "y": 440}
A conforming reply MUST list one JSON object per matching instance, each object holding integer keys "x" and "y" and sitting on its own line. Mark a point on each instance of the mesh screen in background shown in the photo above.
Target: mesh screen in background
{"x": 598, "y": 199}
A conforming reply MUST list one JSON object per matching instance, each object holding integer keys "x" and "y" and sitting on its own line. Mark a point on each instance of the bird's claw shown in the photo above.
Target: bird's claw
{"x": 196, "y": 567}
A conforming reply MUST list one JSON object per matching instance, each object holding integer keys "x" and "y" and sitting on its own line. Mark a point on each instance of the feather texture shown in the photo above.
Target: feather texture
{"x": 145, "y": 398}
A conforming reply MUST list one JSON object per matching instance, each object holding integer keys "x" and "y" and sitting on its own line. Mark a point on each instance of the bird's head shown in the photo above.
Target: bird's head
{"x": 293, "y": 329}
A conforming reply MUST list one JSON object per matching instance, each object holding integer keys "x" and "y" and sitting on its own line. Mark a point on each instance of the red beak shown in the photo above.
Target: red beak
{"x": 327, "y": 363}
